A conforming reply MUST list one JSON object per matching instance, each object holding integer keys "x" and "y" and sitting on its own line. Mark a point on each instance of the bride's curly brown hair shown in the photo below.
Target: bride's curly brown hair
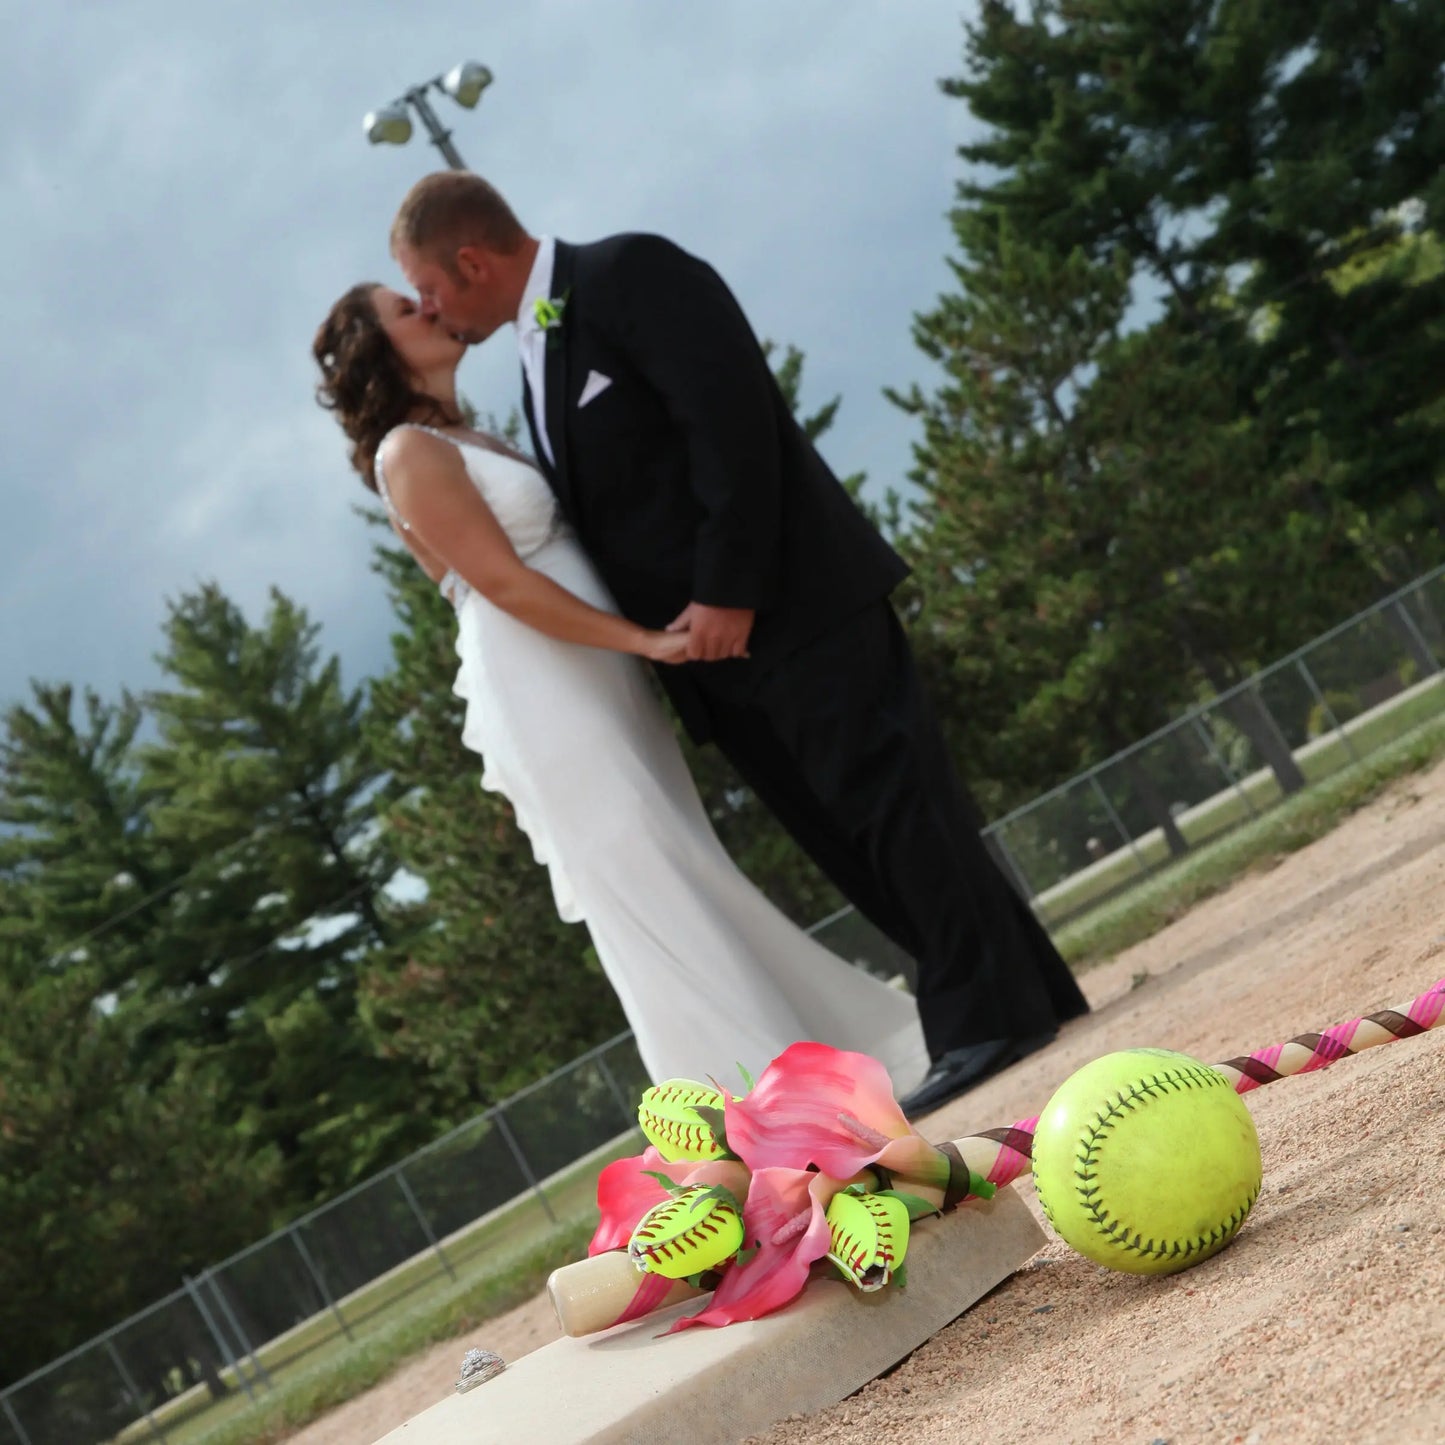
{"x": 365, "y": 382}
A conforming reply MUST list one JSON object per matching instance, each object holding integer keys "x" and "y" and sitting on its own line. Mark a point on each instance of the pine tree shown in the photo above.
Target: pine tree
{"x": 1249, "y": 152}
{"x": 110, "y": 1186}
{"x": 74, "y": 832}
{"x": 109, "y": 1191}
{"x": 1072, "y": 475}
{"x": 261, "y": 773}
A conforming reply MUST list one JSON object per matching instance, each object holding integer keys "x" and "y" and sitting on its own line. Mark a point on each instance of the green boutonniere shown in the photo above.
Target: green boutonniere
{"x": 548, "y": 314}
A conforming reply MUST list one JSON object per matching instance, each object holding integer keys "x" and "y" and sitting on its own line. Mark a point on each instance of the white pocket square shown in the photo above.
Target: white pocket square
{"x": 594, "y": 386}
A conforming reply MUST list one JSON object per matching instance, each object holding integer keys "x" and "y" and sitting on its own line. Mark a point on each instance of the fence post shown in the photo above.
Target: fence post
{"x": 1118, "y": 822}
{"x": 318, "y": 1280}
{"x": 506, "y": 1131}
{"x": 1430, "y": 623}
{"x": 208, "y": 1277}
{"x": 1426, "y": 654}
{"x": 231, "y": 1362}
{"x": 1320, "y": 698}
{"x": 629, "y": 1115}
{"x": 1212, "y": 748}
{"x": 993, "y": 843}
{"x": 14, "y": 1420}
{"x": 421, "y": 1219}
{"x": 130, "y": 1388}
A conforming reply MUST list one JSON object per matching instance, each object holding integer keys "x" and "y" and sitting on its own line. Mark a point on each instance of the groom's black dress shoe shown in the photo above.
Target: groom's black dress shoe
{"x": 960, "y": 1069}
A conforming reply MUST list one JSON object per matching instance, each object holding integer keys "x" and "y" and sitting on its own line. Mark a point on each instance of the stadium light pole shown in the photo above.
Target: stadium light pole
{"x": 391, "y": 124}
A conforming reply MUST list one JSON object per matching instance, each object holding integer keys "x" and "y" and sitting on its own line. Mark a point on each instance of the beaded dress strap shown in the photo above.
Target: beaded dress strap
{"x": 452, "y": 586}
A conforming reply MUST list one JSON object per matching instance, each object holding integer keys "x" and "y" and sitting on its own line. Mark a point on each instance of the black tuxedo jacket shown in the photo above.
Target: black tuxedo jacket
{"x": 686, "y": 476}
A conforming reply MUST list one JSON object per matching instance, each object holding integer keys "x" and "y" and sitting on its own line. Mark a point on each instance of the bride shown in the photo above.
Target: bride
{"x": 708, "y": 972}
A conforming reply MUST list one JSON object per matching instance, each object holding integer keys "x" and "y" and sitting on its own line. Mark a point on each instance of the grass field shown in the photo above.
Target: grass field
{"x": 1112, "y": 926}
{"x": 1335, "y": 752}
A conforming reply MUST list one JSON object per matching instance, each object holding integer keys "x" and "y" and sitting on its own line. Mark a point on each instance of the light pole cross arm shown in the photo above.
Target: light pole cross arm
{"x": 441, "y": 137}
{"x": 391, "y": 125}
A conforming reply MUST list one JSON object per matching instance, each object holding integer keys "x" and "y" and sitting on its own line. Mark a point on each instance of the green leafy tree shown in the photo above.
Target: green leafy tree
{"x": 1071, "y": 474}
{"x": 74, "y": 832}
{"x": 1239, "y": 156}
{"x": 110, "y": 1187}
{"x": 109, "y": 1192}
{"x": 261, "y": 773}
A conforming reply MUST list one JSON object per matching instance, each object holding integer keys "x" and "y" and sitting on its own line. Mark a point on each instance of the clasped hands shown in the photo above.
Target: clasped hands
{"x": 700, "y": 633}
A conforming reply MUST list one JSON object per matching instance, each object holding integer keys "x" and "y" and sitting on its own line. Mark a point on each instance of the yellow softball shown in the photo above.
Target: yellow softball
{"x": 1146, "y": 1161}
{"x": 868, "y": 1237}
{"x": 687, "y": 1234}
{"x": 668, "y": 1119}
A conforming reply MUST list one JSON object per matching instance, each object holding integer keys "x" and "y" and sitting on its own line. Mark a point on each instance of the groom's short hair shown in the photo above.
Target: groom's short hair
{"x": 450, "y": 209}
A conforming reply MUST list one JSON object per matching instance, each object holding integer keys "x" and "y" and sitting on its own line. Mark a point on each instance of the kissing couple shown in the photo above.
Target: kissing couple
{"x": 674, "y": 512}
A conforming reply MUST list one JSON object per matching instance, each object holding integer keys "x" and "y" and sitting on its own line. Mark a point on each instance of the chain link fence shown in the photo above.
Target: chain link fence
{"x": 1232, "y": 756}
{"x": 501, "y": 1185}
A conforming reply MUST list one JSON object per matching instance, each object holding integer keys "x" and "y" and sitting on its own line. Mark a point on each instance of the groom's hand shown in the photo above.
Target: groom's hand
{"x": 714, "y": 633}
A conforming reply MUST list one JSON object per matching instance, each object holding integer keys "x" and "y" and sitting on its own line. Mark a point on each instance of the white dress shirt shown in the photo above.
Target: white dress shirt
{"x": 532, "y": 340}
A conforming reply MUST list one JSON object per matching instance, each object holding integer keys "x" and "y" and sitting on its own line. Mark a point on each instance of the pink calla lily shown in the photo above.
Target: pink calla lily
{"x": 833, "y": 1109}
{"x": 625, "y": 1192}
{"x": 785, "y": 1219}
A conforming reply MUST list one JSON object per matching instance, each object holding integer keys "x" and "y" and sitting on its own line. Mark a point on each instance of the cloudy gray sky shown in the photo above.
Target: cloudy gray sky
{"x": 185, "y": 188}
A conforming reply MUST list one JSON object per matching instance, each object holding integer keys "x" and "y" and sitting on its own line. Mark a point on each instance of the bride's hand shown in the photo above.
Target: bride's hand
{"x": 666, "y": 647}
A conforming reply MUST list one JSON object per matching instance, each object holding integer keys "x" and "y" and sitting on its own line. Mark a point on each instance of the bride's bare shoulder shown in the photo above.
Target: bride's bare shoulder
{"x": 409, "y": 449}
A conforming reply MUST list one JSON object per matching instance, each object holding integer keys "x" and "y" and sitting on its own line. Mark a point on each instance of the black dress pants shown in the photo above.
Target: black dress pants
{"x": 840, "y": 743}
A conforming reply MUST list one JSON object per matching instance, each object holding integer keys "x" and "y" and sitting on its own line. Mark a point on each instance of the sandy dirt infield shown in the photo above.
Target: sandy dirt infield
{"x": 1323, "y": 1320}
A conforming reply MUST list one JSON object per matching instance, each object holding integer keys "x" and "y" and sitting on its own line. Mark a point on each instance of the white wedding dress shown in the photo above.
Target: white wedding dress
{"x": 709, "y": 973}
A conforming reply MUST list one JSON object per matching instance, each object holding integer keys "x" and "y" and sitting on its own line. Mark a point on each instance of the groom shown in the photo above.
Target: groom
{"x": 657, "y": 421}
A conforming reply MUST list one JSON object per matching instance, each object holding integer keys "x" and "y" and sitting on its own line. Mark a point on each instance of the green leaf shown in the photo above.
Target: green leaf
{"x": 918, "y": 1208}
{"x": 723, "y": 1195}
{"x": 716, "y": 1120}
